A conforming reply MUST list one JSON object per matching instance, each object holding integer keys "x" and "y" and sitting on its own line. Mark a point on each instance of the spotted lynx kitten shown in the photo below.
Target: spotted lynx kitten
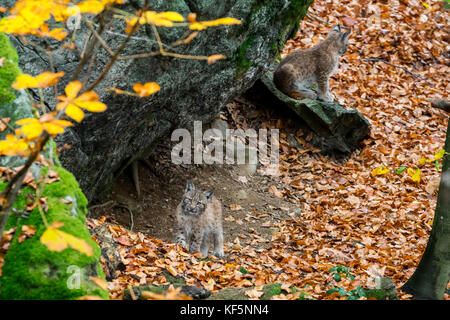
{"x": 295, "y": 75}
{"x": 198, "y": 217}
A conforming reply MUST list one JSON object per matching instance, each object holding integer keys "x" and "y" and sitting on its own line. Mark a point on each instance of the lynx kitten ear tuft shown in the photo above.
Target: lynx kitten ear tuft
{"x": 209, "y": 194}
{"x": 189, "y": 186}
{"x": 337, "y": 28}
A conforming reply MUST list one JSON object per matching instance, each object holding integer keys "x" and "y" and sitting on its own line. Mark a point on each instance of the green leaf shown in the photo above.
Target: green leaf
{"x": 342, "y": 292}
{"x": 337, "y": 277}
{"x": 400, "y": 170}
{"x": 437, "y": 165}
{"x": 361, "y": 292}
{"x": 242, "y": 270}
{"x": 331, "y": 291}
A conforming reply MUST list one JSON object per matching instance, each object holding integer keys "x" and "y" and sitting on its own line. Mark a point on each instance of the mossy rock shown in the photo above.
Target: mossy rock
{"x": 30, "y": 270}
{"x": 192, "y": 291}
{"x": 384, "y": 290}
{"x": 269, "y": 290}
{"x": 9, "y": 69}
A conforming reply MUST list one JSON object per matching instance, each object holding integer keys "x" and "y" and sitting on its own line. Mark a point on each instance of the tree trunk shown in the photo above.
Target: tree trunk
{"x": 433, "y": 273}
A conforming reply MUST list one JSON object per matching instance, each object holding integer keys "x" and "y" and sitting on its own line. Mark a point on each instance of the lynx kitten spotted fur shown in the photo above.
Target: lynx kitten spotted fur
{"x": 296, "y": 74}
{"x": 198, "y": 218}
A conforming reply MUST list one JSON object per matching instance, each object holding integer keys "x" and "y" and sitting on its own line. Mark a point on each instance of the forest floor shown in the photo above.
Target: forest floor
{"x": 321, "y": 212}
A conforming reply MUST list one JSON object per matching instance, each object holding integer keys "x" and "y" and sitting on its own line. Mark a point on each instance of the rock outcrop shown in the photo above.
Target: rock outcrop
{"x": 105, "y": 143}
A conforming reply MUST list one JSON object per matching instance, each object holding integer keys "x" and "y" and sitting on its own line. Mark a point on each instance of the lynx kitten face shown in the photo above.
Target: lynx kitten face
{"x": 198, "y": 219}
{"x": 296, "y": 74}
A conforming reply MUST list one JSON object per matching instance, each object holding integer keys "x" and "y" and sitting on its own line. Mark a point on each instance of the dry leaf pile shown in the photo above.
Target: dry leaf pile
{"x": 378, "y": 226}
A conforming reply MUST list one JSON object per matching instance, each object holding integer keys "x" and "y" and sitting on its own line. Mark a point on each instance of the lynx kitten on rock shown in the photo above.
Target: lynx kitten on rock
{"x": 295, "y": 75}
{"x": 198, "y": 217}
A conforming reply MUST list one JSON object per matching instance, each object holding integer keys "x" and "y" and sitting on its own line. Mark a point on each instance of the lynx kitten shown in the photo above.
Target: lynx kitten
{"x": 198, "y": 217}
{"x": 299, "y": 70}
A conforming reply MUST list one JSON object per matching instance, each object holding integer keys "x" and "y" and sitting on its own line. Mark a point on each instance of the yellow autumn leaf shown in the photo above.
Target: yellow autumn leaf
{"x": 414, "y": 174}
{"x": 13, "y": 146}
{"x": 52, "y": 128}
{"x": 75, "y": 113}
{"x": 439, "y": 155}
{"x": 73, "y": 104}
{"x": 201, "y": 25}
{"x": 57, "y": 240}
{"x": 422, "y": 161}
{"x": 58, "y": 34}
{"x": 73, "y": 88}
{"x": 61, "y": 123}
{"x": 90, "y": 6}
{"x": 32, "y": 130}
{"x": 130, "y": 24}
{"x": 44, "y": 80}
{"x": 26, "y": 121}
{"x": 172, "y": 16}
{"x": 161, "y": 19}
{"x": 147, "y": 89}
{"x": 379, "y": 171}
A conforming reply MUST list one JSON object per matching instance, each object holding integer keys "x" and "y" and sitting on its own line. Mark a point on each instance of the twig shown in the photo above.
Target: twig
{"x": 172, "y": 54}
{"x": 88, "y": 50}
{"x": 131, "y": 214}
{"x": 113, "y": 59}
{"x": 101, "y": 205}
{"x": 99, "y": 38}
{"x": 7, "y": 125}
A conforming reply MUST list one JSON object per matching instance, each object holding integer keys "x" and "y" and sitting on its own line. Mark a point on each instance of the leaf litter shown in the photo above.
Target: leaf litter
{"x": 377, "y": 225}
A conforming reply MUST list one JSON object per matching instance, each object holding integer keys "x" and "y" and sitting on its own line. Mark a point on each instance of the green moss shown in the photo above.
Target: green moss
{"x": 297, "y": 10}
{"x": 271, "y": 290}
{"x": 31, "y": 270}
{"x": 230, "y": 293}
{"x": 242, "y": 63}
{"x": 175, "y": 281}
{"x": 9, "y": 70}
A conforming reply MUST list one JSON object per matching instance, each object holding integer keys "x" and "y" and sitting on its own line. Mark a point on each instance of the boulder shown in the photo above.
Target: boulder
{"x": 232, "y": 293}
{"x": 178, "y": 281}
{"x": 103, "y": 144}
{"x": 336, "y": 128}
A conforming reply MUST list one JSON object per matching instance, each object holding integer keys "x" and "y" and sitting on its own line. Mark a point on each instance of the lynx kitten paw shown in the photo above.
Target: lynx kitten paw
{"x": 329, "y": 97}
{"x": 218, "y": 254}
